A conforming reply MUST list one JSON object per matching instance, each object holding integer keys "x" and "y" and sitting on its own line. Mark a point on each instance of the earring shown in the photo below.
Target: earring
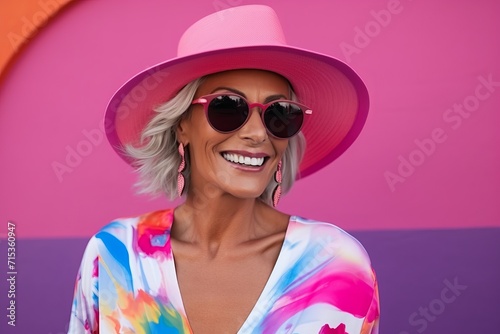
{"x": 182, "y": 166}
{"x": 277, "y": 190}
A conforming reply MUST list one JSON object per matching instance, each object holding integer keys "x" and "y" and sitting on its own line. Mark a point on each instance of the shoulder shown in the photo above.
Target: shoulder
{"x": 161, "y": 219}
{"x": 332, "y": 239}
{"x": 325, "y": 253}
{"x": 129, "y": 232}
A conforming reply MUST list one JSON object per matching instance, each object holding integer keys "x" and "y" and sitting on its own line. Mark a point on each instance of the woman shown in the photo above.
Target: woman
{"x": 224, "y": 124}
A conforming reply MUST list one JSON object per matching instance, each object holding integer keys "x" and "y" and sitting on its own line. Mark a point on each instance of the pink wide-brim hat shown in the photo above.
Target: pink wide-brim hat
{"x": 248, "y": 37}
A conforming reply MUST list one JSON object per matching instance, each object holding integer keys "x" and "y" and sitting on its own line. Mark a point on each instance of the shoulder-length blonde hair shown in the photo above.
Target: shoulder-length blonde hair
{"x": 158, "y": 159}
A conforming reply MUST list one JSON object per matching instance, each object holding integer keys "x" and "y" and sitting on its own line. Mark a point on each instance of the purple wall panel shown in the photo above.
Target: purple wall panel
{"x": 416, "y": 269}
{"x": 431, "y": 281}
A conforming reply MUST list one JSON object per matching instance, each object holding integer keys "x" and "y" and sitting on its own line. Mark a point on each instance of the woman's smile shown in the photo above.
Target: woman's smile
{"x": 246, "y": 159}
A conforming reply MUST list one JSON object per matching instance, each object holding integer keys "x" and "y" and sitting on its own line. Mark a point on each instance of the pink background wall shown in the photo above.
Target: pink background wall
{"x": 420, "y": 64}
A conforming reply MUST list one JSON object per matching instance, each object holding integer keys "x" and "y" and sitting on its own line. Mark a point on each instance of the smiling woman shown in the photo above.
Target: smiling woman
{"x": 227, "y": 130}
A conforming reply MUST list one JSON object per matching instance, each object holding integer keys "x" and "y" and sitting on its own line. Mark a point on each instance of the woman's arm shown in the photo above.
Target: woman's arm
{"x": 85, "y": 310}
{"x": 371, "y": 322}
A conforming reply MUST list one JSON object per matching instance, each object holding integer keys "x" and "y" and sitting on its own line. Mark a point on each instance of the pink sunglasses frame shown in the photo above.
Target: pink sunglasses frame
{"x": 206, "y": 99}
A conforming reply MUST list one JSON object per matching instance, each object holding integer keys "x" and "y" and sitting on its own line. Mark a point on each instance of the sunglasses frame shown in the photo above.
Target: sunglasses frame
{"x": 207, "y": 99}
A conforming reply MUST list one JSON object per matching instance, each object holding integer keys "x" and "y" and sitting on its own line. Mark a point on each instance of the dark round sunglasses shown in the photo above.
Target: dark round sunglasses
{"x": 229, "y": 112}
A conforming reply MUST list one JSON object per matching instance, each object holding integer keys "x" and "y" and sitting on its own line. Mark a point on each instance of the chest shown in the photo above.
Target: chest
{"x": 219, "y": 296}
{"x": 301, "y": 292}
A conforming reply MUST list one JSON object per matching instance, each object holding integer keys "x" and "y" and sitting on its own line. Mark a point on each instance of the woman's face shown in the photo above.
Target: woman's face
{"x": 210, "y": 152}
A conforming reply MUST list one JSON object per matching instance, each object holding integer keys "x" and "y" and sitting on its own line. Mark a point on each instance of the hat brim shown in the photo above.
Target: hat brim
{"x": 335, "y": 93}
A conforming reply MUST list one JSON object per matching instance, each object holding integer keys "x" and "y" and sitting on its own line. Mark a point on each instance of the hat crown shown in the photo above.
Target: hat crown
{"x": 234, "y": 27}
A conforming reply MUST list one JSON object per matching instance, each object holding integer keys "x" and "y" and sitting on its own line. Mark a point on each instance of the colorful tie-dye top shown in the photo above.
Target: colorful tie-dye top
{"x": 322, "y": 282}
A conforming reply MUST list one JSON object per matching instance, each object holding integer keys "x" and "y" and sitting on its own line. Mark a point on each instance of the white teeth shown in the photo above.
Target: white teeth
{"x": 243, "y": 160}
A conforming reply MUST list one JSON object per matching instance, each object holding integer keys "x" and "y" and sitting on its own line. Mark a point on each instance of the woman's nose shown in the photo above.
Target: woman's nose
{"x": 254, "y": 129}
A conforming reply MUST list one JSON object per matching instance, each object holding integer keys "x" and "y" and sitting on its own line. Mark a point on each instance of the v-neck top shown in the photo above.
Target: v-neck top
{"x": 322, "y": 282}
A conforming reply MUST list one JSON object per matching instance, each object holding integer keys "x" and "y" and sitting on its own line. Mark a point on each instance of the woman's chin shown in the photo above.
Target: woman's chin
{"x": 246, "y": 194}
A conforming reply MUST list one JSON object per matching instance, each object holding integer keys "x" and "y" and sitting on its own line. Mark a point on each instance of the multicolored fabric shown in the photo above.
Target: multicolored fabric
{"x": 322, "y": 283}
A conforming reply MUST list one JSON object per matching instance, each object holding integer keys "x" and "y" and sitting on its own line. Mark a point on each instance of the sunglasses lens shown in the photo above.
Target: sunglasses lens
{"x": 283, "y": 119}
{"x": 227, "y": 112}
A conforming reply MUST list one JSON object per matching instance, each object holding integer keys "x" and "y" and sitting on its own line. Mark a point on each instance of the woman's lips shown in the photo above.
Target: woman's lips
{"x": 245, "y": 160}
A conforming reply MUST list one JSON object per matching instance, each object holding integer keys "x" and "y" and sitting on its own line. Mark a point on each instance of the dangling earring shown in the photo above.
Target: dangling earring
{"x": 277, "y": 190}
{"x": 182, "y": 166}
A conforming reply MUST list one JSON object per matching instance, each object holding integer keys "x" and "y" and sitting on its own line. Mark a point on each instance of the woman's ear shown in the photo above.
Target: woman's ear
{"x": 181, "y": 131}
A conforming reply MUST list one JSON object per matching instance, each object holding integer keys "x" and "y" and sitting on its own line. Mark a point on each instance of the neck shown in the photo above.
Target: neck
{"x": 220, "y": 222}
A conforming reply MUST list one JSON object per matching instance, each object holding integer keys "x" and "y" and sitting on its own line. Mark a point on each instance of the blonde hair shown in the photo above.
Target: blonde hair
{"x": 158, "y": 159}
